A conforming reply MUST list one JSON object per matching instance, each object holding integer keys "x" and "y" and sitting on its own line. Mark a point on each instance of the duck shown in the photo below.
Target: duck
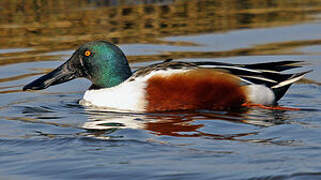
{"x": 170, "y": 85}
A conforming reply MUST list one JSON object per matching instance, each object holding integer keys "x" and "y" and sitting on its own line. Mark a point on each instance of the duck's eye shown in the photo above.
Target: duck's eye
{"x": 87, "y": 53}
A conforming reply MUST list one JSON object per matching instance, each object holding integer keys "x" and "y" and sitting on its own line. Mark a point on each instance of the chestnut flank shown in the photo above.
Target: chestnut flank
{"x": 195, "y": 89}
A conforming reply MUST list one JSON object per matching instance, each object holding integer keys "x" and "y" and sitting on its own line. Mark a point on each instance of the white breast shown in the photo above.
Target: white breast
{"x": 126, "y": 96}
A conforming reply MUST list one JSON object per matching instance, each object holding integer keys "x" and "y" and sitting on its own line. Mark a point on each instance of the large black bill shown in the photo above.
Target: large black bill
{"x": 62, "y": 74}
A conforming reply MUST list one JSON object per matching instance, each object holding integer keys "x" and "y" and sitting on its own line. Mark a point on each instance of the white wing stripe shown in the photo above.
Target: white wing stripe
{"x": 287, "y": 82}
{"x": 260, "y": 78}
{"x": 230, "y": 67}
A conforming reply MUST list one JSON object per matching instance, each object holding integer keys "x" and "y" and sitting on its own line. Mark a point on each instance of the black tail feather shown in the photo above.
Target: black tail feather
{"x": 279, "y": 92}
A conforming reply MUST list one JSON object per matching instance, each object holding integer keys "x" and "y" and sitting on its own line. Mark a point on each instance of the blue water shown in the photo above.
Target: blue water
{"x": 47, "y": 135}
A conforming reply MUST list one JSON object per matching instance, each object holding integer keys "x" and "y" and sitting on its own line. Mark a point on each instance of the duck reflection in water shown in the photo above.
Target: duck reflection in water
{"x": 102, "y": 122}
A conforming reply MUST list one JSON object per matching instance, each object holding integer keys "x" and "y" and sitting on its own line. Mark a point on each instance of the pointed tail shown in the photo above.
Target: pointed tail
{"x": 281, "y": 88}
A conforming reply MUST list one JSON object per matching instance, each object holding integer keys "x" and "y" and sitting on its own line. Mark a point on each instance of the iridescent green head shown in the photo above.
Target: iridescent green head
{"x": 103, "y": 63}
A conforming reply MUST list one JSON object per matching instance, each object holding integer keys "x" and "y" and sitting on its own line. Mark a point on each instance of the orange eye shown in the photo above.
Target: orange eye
{"x": 87, "y": 53}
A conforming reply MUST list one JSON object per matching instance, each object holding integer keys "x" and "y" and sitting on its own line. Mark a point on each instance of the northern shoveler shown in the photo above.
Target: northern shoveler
{"x": 170, "y": 85}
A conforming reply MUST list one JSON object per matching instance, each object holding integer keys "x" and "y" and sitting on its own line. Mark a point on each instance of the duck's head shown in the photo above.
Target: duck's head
{"x": 103, "y": 63}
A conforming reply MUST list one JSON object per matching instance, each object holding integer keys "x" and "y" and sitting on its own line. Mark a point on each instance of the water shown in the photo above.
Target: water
{"x": 48, "y": 135}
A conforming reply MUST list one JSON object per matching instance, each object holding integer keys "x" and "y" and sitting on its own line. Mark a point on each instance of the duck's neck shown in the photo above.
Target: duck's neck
{"x": 112, "y": 78}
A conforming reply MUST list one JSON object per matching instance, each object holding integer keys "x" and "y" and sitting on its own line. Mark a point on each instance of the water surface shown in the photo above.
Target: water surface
{"x": 48, "y": 135}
